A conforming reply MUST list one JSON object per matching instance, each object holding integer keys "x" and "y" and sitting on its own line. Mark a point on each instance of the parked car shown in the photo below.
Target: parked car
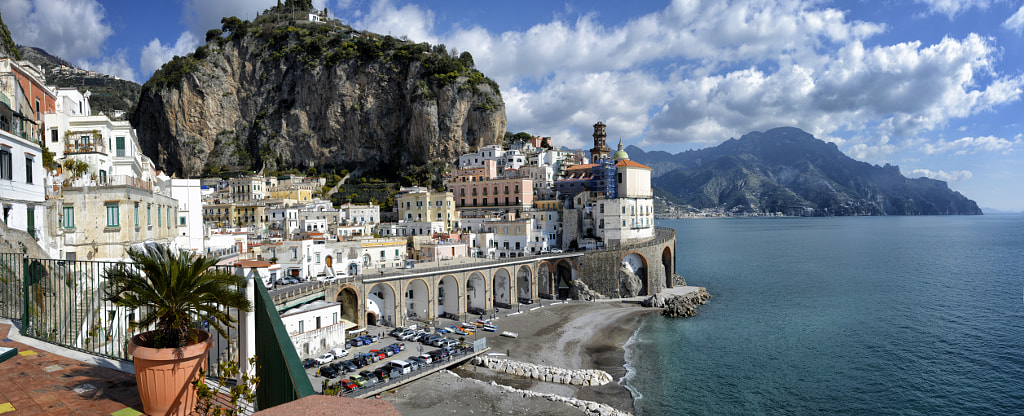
{"x": 526, "y": 301}
{"x": 349, "y": 365}
{"x": 348, "y": 385}
{"x": 556, "y": 250}
{"x": 360, "y": 361}
{"x": 374, "y": 338}
{"x": 397, "y": 332}
{"x": 358, "y": 379}
{"x": 400, "y": 345}
{"x": 328, "y": 372}
{"x": 440, "y": 342}
{"x": 383, "y": 373}
{"x": 324, "y": 359}
{"x": 339, "y": 352}
{"x": 380, "y": 354}
{"x": 309, "y": 363}
{"x": 367, "y": 381}
{"x": 356, "y": 342}
{"x": 426, "y": 358}
{"x": 417, "y": 363}
{"x": 430, "y": 340}
{"x": 348, "y": 344}
{"x": 369, "y": 376}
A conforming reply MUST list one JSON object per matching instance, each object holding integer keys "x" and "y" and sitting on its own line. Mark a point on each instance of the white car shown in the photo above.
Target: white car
{"x": 339, "y": 352}
{"x": 324, "y": 359}
{"x": 556, "y": 250}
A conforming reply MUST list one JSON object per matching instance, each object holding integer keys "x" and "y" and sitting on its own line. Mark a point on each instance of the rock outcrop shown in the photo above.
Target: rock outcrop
{"x": 682, "y": 306}
{"x": 279, "y": 94}
{"x": 545, "y": 373}
{"x": 630, "y": 284}
{"x": 580, "y": 291}
{"x": 590, "y": 407}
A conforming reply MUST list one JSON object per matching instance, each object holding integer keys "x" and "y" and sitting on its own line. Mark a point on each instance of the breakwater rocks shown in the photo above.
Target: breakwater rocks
{"x": 682, "y": 306}
{"x": 593, "y": 408}
{"x": 545, "y": 373}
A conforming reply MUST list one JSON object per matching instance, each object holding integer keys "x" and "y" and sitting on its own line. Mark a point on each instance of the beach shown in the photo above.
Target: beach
{"x": 575, "y": 335}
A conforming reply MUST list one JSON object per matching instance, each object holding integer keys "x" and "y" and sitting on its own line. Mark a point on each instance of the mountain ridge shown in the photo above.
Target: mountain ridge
{"x": 790, "y": 171}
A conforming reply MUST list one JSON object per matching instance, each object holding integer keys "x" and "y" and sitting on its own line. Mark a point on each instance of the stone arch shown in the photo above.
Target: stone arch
{"x": 417, "y": 298}
{"x": 544, "y": 280}
{"x": 476, "y": 293}
{"x": 524, "y": 283}
{"x": 633, "y": 263}
{"x": 353, "y": 268}
{"x": 667, "y": 263}
{"x": 448, "y": 295}
{"x": 348, "y": 297}
{"x": 502, "y": 286}
{"x": 381, "y": 300}
{"x": 371, "y": 318}
{"x": 564, "y": 275}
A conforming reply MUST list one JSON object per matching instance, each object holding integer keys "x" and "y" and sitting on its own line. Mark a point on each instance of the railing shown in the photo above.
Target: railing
{"x": 62, "y": 302}
{"x": 91, "y": 147}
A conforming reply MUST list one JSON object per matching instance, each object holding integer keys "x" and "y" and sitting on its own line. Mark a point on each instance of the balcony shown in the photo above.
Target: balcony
{"x": 86, "y": 147}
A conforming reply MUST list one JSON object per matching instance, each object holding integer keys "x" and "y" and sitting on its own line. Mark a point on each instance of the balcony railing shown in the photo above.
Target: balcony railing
{"x": 61, "y": 302}
{"x": 90, "y": 147}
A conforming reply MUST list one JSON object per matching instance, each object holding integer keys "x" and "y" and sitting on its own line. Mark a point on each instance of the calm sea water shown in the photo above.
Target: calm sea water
{"x": 860, "y": 315}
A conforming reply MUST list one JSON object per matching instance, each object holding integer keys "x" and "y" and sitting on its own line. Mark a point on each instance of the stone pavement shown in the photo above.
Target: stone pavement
{"x": 36, "y": 382}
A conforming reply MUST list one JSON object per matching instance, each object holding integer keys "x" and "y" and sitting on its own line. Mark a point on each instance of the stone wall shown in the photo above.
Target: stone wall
{"x": 600, "y": 268}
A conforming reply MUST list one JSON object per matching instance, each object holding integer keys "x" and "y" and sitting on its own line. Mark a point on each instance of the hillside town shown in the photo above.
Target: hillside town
{"x": 80, "y": 184}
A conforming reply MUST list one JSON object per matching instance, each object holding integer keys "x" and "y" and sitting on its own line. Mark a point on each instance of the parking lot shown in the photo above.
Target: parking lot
{"x": 412, "y": 349}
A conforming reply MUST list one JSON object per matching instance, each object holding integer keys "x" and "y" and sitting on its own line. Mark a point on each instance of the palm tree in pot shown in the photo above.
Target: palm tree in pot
{"x": 173, "y": 288}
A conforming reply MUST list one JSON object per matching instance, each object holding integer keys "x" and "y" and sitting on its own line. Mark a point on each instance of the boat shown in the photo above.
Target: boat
{"x": 490, "y": 328}
{"x": 509, "y": 334}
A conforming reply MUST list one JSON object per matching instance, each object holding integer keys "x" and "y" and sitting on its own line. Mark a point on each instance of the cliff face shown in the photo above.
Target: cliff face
{"x": 279, "y": 96}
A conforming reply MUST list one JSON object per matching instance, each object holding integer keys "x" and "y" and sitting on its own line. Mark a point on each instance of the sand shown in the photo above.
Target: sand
{"x": 576, "y": 335}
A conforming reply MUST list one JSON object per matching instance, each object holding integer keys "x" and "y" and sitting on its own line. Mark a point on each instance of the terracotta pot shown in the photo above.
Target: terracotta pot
{"x": 164, "y": 375}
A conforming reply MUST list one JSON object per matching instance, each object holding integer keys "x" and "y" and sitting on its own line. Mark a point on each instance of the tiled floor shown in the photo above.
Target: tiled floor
{"x": 38, "y": 382}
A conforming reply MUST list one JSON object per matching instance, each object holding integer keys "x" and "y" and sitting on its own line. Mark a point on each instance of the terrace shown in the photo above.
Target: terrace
{"x": 70, "y": 342}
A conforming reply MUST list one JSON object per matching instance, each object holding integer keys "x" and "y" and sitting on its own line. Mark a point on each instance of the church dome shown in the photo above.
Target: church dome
{"x": 620, "y": 154}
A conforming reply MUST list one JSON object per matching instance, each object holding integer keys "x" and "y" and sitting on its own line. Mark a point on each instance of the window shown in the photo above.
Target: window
{"x": 136, "y": 214}
{"x": 149, "y": 208}
{"x": 301, "y": 329}
{"x": 506, "y": 190}
{"x": 317, "y": 258}
{"x": 396, "y": 253}
{"x": 68, "y": 219}
{"x": 602, "y": 208}
{"x": 159, "y": 216}
{"x": 6, "y": 169}
{"x": 53, "y": 135}
{"x": 28, "y": 169}
{"x": 620, "y": 177}
{"x": 169, "y": 216}
{"x": 181, "y": 220}
{"x": 113, "y": 215}
{"x": 120, "y": 146}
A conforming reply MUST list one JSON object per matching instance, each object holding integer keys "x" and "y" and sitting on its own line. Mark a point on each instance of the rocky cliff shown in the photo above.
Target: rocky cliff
{"x": 280, "y": 94}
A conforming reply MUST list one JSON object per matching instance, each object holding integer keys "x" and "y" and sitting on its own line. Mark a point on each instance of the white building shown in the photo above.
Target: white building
{"x": 22, "y": 185}
{"x": 188, "y": 193}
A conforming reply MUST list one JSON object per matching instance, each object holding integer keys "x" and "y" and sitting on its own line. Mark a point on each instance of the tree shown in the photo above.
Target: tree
{"x": 172, "y": 287}
{"x": 467, "y": 60}
{"x": 213, "y": 34}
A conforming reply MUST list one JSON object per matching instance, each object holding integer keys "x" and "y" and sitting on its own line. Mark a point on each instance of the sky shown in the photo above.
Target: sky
{"x": 934, "y": 86}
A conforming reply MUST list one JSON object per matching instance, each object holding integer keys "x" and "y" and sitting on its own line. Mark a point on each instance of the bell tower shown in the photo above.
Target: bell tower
{"x": 600, "y": 150}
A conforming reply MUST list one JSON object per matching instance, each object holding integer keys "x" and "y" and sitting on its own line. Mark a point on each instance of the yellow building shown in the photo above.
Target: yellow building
{"x": 418, "y": 204}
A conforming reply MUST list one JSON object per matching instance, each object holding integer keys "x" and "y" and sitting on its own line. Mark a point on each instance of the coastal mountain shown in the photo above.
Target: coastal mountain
{"x": 7, "y": 46}
{"x": 788, "y": 170}
{"x": 108, "y": 95}
{"x": 300, "y": 90}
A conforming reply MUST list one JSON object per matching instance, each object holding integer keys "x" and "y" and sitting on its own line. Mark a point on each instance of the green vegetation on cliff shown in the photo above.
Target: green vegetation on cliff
{"x": 7, "y": 45}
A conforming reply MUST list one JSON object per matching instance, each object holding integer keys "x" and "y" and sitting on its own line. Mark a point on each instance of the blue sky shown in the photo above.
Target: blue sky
{"x": 934, "y": 86}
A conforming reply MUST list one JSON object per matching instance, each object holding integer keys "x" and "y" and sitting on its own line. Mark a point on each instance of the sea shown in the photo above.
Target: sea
{"x": 840, "y": 315}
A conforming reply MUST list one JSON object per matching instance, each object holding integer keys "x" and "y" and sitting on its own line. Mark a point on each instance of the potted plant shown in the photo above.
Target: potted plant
{"x": 173, "y": 288}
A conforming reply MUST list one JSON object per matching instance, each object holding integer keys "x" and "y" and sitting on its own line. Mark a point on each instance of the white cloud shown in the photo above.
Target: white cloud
{"x": 71, "y": 29}
{"x": 1015, "y": 22}
{"x": 116, "y": 65}
{"x": 954, "y": 176}
{"x": 156, "y": 53}
{"x": 951, "y": 8}
{"x": 971, "y": 145}
{"x": 409, "y": 20}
